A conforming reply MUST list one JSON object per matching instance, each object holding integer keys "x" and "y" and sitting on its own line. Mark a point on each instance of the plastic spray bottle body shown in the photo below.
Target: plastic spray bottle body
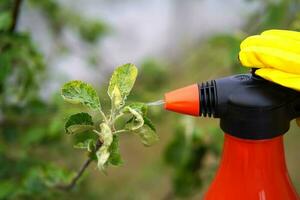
{"x": 254, "y": 114}
{"x": 252, "y": 169}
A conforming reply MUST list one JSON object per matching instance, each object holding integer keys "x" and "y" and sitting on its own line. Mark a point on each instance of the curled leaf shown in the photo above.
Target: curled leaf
{"x": 140, "y": 107}
{"x": 103, "y": 153}
{"x": 102, "y": 157}
{"x": 79, "y": 123}
{"x": 105, "y": 135}
{"x": 136, "y": 121}
{"x": 123, "y": 78}
{"x": 81, "y": 92}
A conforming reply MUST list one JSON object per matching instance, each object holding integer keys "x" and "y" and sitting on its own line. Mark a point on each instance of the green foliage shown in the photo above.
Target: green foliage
{"x": 19, "y": 58}
{"x": 230, "y": 43}
{"x": 186, "y": 154}
{"x": 154, "y": 74}
{"x": 5, "y": 21}
{"x": 30, "y": 131}
{"x": 121, "y": 83}
{"x": 114, "y": 149}
{"x": 92, "y": 31}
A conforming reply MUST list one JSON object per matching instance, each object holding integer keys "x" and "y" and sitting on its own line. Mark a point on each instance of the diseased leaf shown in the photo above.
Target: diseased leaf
{"x": 103, "y": 153}
{"x": 78, "y": 123}
{"x": 102, "y": 157}
{"x": 114, "y": 149}
{"x": 105, "y": 135}
{"x": 123, "y": 78}
{"x": 136, "y": 122}
{"x": 147, "y": 135}
{"x": 81, "y": 92}
{"x": 116, "y": 97}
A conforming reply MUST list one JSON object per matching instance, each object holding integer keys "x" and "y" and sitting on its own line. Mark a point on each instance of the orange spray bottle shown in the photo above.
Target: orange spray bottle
{"x": 254, "y": 114}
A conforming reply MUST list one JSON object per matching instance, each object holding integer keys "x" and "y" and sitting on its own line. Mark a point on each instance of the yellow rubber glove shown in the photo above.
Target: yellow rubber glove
{"x": 277, "y": 54}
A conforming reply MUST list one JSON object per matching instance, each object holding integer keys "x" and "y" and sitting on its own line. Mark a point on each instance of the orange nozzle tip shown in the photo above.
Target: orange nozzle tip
{"x": 184, "y": 100}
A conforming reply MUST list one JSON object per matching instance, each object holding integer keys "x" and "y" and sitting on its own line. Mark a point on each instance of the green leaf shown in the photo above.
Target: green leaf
{"x": 81, "y": 92}
{"x": 149, "y": 123}
{"x": 102, "y": 157}
{"x": 147, "y": 135}
{"x": 114, "y": 149}
{"x": 5, "y": 21}
{"x": 136, "y": 122}
{"x": 123, "y": 78}
{"x": 89, "y": 145}
{"x": 78, "y": 123}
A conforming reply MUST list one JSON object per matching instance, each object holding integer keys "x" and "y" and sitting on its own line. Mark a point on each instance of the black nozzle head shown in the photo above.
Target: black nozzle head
{"x": 249, "y": 106}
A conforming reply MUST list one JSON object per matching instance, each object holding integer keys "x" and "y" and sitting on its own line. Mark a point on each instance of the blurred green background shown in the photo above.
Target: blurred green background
{"x": 173, "y": 42}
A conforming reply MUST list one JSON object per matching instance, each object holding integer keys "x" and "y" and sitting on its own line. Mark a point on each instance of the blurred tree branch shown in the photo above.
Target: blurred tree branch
{"x": 15, "y": 15}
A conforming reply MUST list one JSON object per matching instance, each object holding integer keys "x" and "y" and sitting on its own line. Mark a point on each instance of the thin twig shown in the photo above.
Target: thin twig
{"x": 15, "y": 15}
{"x": 80, "y": 172}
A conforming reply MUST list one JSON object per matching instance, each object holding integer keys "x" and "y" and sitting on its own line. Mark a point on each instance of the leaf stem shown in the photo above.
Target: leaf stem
{"x": 103, "y": 116}
{"x": 120, "y": 131}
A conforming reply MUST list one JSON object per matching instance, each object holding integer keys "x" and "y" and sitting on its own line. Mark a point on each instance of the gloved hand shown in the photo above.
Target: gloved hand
{"x": 277, "y": 54}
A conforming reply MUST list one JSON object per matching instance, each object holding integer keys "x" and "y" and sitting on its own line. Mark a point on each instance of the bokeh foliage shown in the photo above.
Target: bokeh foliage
{"x": 31, "y": 127}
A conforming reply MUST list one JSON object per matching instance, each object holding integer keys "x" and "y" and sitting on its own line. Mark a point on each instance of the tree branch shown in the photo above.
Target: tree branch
{"x": 15, "y": 15}
{"x": 99, "y": 143}
{"x": 80, "y": 172}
